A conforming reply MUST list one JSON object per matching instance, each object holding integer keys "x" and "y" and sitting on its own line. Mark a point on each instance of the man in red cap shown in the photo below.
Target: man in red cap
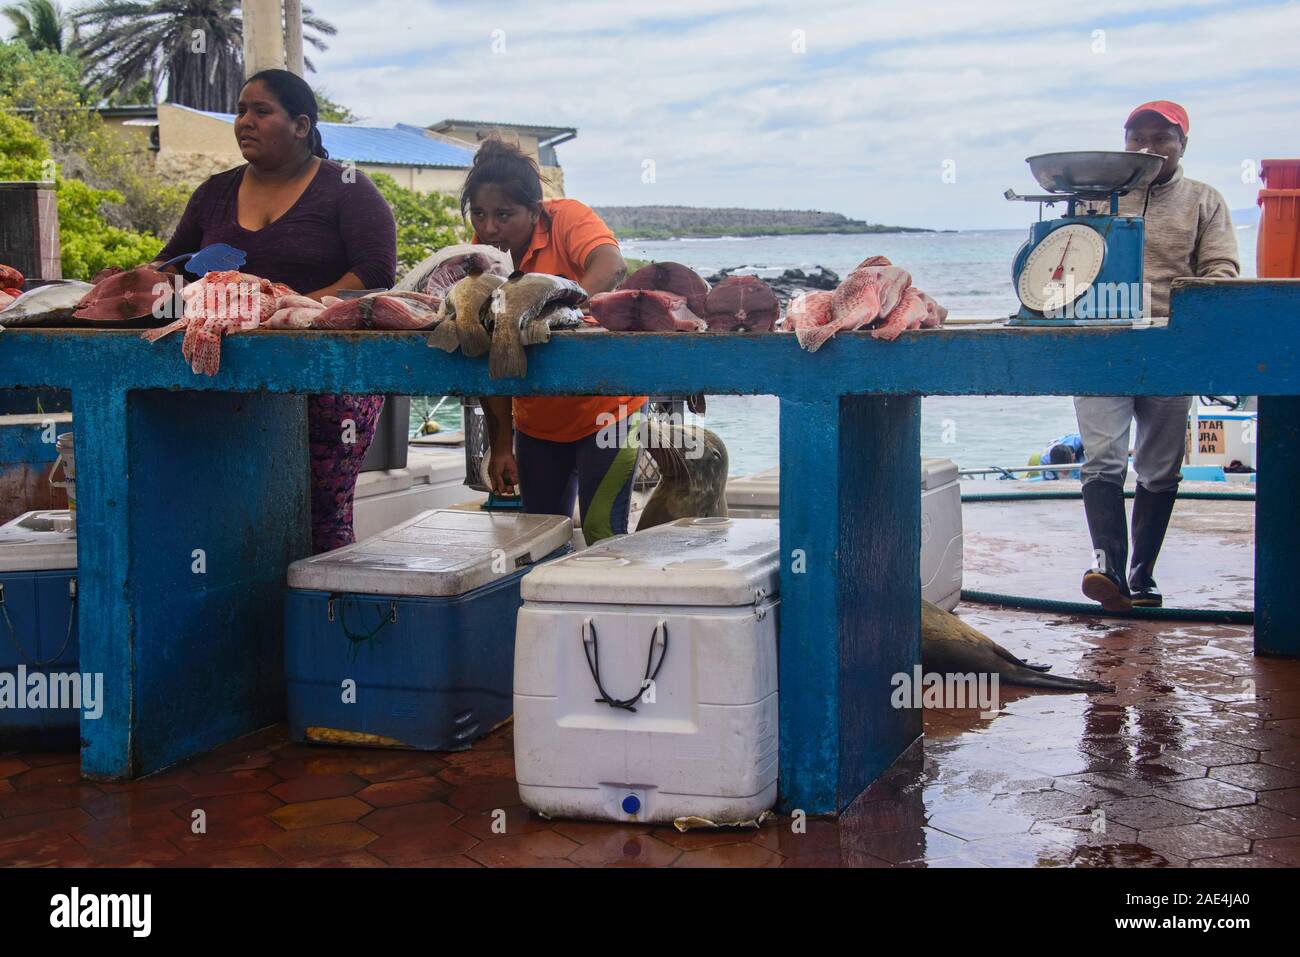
{"x": 1188, "y": 233}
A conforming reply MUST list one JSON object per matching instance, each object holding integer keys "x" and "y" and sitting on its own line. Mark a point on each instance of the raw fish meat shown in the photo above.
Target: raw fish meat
{"x": 644, "y": 310}
{"x": 447, "y": 266}
{"x": 741, "y": 304}
{"x": 11, "y": 284}
{"x": 515, "y": 304}
{"x": 45, "y": 305}
{"x": 464, "y": 315}
{"x": 674, "y": 278}
{"x": 396, "y": 310}
{"x": 133, "y": 294}
{"x": 294, "y": 312}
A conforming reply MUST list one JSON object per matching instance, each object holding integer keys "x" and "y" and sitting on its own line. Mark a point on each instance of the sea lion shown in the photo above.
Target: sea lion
{"x": 693, "y": 464}
{"x": 950, "y": 646}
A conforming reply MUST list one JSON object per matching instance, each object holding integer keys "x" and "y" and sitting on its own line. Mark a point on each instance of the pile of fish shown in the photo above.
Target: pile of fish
{"x": 436, "y": 275}
{"x": 663, "y": 297}
{"x": 11, "y": 285}
{"x": 483, "y": 313}
{"x": 877, "y": 295}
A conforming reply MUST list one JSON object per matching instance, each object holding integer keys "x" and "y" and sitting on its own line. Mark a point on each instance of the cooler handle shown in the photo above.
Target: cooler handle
{"x": 591, "y": 650}
{"x": 354, "y": 638}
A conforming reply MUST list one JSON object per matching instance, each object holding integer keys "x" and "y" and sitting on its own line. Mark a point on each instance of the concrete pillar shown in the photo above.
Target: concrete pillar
{"x": 263, "y": 36}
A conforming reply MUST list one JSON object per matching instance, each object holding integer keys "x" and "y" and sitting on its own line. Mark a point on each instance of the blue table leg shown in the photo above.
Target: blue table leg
{"x": 184, "y": 589}
{"x": 850, "y": 592}
{"x": 1277, "y": 527}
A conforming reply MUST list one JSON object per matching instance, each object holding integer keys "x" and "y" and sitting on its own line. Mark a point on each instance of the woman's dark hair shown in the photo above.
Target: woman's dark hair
{"x": 507, "y": 166}
{"x": 297, "y": 98}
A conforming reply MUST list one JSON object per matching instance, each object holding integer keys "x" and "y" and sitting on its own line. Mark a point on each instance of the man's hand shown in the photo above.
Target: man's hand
{"x": 503, "y": 471}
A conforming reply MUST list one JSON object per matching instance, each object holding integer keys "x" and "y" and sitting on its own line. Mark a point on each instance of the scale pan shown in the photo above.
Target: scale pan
{"x": 1094, "y": 171}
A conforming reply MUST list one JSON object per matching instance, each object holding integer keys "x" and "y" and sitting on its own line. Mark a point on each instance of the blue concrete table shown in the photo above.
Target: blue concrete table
{"x": 193, "y": 495}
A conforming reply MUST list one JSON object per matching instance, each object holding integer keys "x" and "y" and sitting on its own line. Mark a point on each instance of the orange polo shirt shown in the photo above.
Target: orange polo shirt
{"x": 562, "y": 250}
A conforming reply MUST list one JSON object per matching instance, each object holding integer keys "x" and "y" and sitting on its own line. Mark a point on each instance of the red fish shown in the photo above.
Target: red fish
{"x": 644, "y": 310}
{"x": 10, "y": 278}
{"x": 908, "y": 314}
{"x": 218, "y": 304}
{"x": 810, "y": 317}
{"x": 385, "y": 310}
{"x": 935, "y": 314}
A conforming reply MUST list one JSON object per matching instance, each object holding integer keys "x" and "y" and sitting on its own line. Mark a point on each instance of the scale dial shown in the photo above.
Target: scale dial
{"x": 1061, "y": 268}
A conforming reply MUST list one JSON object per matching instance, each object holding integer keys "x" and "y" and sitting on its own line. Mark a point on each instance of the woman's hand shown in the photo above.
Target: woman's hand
{"x": 503, "y": 471}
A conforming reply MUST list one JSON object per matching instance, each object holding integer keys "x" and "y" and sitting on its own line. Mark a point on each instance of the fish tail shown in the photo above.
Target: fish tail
{"x": 507, "y": 359}
{"x": 444, "y": 336}
{"x": 474, "y": 340}
{"x": 153, "y": 335}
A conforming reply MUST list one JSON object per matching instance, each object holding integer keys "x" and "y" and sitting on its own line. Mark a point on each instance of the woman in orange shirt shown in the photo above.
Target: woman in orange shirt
{"x": 564, "y": 447}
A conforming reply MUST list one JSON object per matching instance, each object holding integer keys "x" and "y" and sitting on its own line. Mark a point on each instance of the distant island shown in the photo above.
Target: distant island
{"x": 670, "y": 222}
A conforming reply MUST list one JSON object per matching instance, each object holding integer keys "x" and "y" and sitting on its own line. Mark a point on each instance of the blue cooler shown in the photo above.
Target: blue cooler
{"x": 406, "y": 639}
{"x": 38, "y": 630}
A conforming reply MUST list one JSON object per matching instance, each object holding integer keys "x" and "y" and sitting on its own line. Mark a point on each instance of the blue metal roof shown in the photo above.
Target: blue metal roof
{"x": 400, "y": 145}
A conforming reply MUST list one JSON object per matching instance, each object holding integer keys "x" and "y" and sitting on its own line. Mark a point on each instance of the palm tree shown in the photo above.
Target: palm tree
{"x": 197, "y": 45}
{"x": 38, "y": 23}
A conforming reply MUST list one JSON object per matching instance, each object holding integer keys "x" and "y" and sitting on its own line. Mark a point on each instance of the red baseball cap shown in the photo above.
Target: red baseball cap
{"x": 1167, "y": 108}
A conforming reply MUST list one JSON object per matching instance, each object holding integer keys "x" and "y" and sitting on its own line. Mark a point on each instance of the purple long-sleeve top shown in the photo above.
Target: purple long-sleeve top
{"x": 340, "y": 224}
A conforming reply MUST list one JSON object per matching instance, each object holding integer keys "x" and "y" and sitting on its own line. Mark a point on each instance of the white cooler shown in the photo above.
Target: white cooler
{"x": 758, "y": 496}
{"x": 693, "y": 606}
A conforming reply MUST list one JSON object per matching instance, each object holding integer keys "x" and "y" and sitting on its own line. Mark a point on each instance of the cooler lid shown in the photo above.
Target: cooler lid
{"x": 936, "y": 473}
{"x": 440, "y": 553}
{"x": 763, "y": 489}
{"x": 38, "y": 542}
{"x": 723, "y": 562}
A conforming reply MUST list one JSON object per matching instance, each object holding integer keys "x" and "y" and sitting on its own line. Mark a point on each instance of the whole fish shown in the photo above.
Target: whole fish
{"x": 516, "y": 303}
{"x": 910, "y": 312}
{"x": 45, "y": 305}
{"x": 464, "y": 313}
{"x": 810, "y": 318}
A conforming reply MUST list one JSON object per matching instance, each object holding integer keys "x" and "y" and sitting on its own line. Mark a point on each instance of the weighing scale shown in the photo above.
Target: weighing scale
{"x": 1085, "y": 268}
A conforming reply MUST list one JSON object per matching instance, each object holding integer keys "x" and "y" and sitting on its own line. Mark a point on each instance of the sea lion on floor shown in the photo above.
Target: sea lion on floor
{"x": 950, "y": 646}
{"x": 692, "y": 464}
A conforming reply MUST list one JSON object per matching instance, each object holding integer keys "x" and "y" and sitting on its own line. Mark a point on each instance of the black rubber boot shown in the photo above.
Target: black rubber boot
{"x": 1151, "y": 511}
{"x": 1103, "y": 502}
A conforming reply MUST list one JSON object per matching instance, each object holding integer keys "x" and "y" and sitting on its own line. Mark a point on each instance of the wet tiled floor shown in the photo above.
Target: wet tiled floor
{"x": 1193, "y": 760}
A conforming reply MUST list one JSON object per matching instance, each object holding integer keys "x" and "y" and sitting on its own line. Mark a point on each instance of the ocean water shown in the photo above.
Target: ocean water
{"x": 968, "y": 271}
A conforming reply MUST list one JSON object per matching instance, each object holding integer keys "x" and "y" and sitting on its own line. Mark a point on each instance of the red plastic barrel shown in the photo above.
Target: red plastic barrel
{"x": 1280, "y": 174}
{"x": 1277, "y": 255}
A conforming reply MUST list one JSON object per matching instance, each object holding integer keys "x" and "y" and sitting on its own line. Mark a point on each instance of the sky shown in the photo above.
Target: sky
{"x": 914, "y": 113}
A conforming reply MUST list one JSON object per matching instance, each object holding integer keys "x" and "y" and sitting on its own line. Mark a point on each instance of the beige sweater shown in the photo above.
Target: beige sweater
{"x": 1188, "y": 233}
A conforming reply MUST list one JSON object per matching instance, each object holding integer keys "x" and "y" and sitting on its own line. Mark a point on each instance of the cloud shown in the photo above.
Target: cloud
{"x": 717, "y": 93}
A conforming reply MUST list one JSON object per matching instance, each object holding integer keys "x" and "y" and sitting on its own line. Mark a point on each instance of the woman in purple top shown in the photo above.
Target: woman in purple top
{"x": 316, "y": 226}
